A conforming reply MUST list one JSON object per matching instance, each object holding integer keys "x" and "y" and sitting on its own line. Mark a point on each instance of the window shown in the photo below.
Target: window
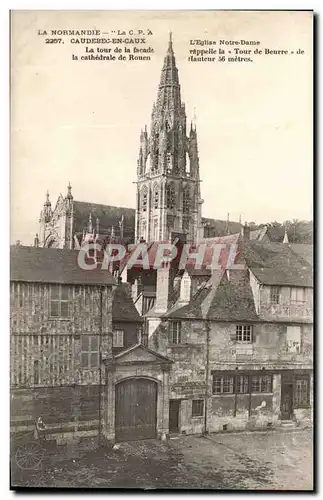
{"x": 175, "y": 332}
{"x": 90, "y": 351}
{"x": 244, "y": 333}
{"x": 301, "y": 398}
{"x": 59, "y": 301}
{"x": 223, "y": 384}
{"x": 297, "y": 295}
{"x": 261, "y": 383}
{"x": 186, "y": 201}
{"x": 242, "y": 384}
{"x": 197, "y": 408}
{"x": 293, "y": 338}
{"x": 144, "y": 200}
{"x": 170, "y": 196}
{"x": 156, "y": 198}
{"x": 274, "y": 294}
{"x": 118, "y": 338}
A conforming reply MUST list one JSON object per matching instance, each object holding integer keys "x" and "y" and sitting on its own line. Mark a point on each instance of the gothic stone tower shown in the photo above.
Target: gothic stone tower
{"x": 168, "y": 183}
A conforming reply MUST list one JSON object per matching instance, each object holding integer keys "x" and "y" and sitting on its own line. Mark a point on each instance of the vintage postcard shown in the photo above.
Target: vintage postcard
{"x": 161, "y": 279}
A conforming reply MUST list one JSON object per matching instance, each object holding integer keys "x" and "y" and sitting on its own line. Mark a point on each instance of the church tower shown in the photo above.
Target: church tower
{"x": 168, "y": 180}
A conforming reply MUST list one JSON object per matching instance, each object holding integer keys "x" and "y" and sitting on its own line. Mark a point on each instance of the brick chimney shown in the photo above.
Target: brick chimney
{"x": 164, "y": 288}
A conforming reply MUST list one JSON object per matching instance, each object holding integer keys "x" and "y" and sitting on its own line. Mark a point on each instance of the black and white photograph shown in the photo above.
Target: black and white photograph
{"x": 161, "y": 250}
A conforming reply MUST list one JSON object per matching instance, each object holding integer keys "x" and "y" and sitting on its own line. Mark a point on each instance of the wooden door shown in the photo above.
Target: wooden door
{"x": 174, "y": 406}
{"x": 287, "y": 397}
{"x": 135, "y": 409}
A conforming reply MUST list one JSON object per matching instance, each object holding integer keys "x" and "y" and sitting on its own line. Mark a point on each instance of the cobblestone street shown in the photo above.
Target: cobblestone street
{"x": 277, "y": 460}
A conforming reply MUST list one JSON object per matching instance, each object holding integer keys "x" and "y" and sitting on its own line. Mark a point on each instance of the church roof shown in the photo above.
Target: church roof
{"x": 108, "y": 216}
{"x": 53, "y": 265}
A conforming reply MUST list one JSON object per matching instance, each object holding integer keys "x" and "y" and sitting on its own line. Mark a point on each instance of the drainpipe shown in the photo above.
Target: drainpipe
{"x": 206, "y": 396}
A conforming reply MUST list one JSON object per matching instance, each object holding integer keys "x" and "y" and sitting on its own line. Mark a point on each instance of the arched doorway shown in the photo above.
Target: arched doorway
{"x": 135, "y": 409}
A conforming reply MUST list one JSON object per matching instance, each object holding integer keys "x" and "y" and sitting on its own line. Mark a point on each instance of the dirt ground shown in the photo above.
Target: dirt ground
{"x": 277, "y": 460}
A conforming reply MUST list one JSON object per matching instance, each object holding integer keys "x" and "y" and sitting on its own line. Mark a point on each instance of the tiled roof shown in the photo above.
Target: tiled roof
{"x": 233, "y": 301}
{"x": 277, "y": 264}
{"x": 304, "y": 251}
{"x": 220, "y": 300}
{"x": 52, "y": 265}
{"x": 123, "y": 308}
{"x": 108, "y": 216}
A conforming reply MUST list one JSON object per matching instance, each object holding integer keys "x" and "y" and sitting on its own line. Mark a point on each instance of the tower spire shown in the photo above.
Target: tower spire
{"x": 169, "y": 95}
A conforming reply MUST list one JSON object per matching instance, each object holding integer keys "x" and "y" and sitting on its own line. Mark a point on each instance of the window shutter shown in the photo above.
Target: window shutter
{"x": 253, "y": 336}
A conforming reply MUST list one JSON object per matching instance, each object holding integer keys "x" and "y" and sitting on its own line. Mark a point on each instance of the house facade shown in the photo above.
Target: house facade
{"x": 241, "y": 342}
{"x": 77, "y": 358}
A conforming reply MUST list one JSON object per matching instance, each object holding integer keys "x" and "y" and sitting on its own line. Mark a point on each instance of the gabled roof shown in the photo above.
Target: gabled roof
{"x": 123, "y": 308}
{"x": 277, "y": 264}
{"x": 53, "y": 265}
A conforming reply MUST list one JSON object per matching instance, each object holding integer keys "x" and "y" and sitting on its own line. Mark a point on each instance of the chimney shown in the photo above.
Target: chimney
{"x": 245, "y": 231}
{"x": 164, "y": 288}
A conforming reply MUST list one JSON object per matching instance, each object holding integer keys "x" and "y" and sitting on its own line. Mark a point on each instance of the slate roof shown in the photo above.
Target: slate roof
{"x": 303, "y": 250}
{"x": 277, "y": 264}
{"x": 108, "y": 216}
{"x": 52, "y": 265}
{"x": 123, "y": 308}
{"x": 220, "y": 299}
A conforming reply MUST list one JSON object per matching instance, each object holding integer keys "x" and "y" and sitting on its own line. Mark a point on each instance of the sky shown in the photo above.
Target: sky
{"x": 80, "y": 121}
